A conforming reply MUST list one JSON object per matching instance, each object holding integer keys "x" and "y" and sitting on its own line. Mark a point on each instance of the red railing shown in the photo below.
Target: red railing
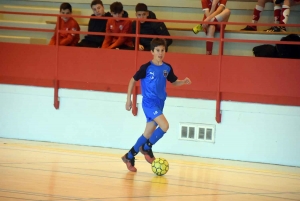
{"x": 216, "y": 77}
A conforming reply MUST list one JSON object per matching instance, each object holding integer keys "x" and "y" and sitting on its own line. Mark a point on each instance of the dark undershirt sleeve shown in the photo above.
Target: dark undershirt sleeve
{"x": 141, "y": 73}
{"x": 171, "y": 76}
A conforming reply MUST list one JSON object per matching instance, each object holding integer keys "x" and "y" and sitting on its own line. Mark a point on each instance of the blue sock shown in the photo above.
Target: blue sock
{"x": 156, "y": 135}
{"x": 142, "y": 140}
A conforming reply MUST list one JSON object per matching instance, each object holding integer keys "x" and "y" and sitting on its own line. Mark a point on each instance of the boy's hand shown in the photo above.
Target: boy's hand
{"x": 141, "y": 47}
{"x": 187, "y": 81}
{"x": 128, "y": 105}
{"x": 204, "y": 26}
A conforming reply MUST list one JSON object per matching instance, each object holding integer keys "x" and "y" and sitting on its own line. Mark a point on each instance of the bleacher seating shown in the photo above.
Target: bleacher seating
{"x": 240, "y": 13}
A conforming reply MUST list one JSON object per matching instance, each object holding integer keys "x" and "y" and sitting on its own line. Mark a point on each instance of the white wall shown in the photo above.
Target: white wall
{"x": 248, "y": 132}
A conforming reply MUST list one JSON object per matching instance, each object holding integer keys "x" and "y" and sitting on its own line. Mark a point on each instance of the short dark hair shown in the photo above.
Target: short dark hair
{"x": 157, "y": 42}
{"x": 116, "y": 7}
{"x": 65, "y": 6}
{"x": 141, "y": 7}
{"x": 95, "y": 2}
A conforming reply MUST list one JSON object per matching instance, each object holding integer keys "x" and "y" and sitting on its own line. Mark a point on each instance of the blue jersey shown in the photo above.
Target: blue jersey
{"x": 153, "y": 80}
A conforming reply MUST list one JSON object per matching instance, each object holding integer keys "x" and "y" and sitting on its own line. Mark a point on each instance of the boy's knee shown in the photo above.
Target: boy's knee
{"x": 227, "y": 11}
{"x": 165, "y": 127}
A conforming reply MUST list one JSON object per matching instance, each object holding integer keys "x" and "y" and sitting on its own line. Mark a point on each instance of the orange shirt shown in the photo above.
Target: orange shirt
{"x": 121, "y": 26}
{"x": 66, "y": 39}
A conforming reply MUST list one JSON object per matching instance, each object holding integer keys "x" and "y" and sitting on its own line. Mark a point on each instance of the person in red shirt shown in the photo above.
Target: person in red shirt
{"x": 68, "y": 24}
{"x": 118, "y": 26}
{"x": 214, "y": 11}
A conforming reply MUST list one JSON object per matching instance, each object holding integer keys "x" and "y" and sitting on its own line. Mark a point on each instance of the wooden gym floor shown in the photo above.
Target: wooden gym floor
{"x": 48, "y": 171}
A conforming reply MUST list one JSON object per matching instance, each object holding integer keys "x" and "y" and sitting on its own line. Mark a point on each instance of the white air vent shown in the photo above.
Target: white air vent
{"x": 197, "y": 132}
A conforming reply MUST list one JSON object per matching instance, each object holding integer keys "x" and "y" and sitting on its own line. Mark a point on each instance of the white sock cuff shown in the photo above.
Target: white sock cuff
{"x": 257, "y": 7}
{"x": 277, "y": 7}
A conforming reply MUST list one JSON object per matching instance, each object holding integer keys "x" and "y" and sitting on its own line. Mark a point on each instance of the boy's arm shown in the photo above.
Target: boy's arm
{"x": 212, "y": 13}
{"x": 140, "y": 74}
{"x": 205, "y": 7}
{"x": 129, "y": 92}
{"x": 121, "y": 39}
{"x": 53, "y": 39}
{"x": 218, "y": 11}
{"x": 174, "y": 80}
{"x": 107, "y": 39}
{"x": 182, "y": 82}
{"x": 134, "y": 31}
{"x": 70, "y": 36}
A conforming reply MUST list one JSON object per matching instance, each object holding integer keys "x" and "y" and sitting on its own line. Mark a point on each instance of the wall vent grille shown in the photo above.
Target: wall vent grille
{"x": 197, "y": 132}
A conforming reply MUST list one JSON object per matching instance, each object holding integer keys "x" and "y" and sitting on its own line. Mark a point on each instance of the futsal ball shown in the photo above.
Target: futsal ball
{"x": 160, "y": 166}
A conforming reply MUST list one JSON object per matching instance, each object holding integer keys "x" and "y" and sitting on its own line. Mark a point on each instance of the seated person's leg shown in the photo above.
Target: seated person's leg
{"x": 125, "y": 47}
{"x": 210, "y": 34}
{"x": 256, "y": 15}
{"x": 223, "y": 16}
{"x": 87, "y": 43}
{"x": 285, "y": 14}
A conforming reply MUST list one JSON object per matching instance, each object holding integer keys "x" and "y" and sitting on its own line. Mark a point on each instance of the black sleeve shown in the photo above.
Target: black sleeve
{"x": 90, "y": 24}
{"x": 171, "y": 76}
{"x": 161, "y": 29}
{"x": 141, "y": 73}
{"x": 133, "y": 31}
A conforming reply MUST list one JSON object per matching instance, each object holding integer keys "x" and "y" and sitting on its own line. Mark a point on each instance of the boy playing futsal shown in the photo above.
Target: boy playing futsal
{"x": 153, "y": 76}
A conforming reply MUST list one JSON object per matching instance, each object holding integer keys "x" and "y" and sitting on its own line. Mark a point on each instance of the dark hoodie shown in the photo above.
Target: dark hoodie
{"x": 97, "y": 25}
{"x": 151, "y": 28}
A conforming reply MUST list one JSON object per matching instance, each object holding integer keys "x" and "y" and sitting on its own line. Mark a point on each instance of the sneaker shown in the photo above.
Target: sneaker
{"x": 249, "y": 28}
{"x": 148, "y": 154}
{"x": 276, "y": 29}
{"x": 129, "y": 163}
{"x": 197, "y": 28}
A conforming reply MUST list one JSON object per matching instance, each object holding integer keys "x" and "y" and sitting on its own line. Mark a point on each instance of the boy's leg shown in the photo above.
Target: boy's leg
{"x": 158, "y": 133}
{"x": 277, "y": 12}
{"x": 256, "y": 15}
{"x": 283, "y": 17}
{"x": 210, "y": 34}
{"x": 222, "y": 17}
{"x": 128, "y": 158}
{"x": 86, "y": 43}
{"x": 285, "y": 13}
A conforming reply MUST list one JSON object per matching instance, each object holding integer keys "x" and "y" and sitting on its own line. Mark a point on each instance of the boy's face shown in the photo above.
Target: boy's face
{"x": 159, "y": 53}
{"x": 117, "y": 14}
{"x": 142, "y": 15}
{"x": 98, "y": 10}
{"x": 65, "y": 12}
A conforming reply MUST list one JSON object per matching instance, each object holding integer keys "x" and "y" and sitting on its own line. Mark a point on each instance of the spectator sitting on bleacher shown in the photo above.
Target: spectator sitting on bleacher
{"x": 66, "y": 23}
{"x": 118, "y": 26}
{"x": 281, "y": 14}
{"x": 95, "y": 25}
{"x": 149, "y": 28}
{"x": 214, "y": 11}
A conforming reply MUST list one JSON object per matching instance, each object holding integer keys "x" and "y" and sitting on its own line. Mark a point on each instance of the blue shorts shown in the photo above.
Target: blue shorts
{"x": 152, "y": 108}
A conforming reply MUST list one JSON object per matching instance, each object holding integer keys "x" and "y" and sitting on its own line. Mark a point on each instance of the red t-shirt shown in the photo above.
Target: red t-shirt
{"x": 67, "y": 39}
{"x": 121, "y": 26}
{"x": 206, "y": 5}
